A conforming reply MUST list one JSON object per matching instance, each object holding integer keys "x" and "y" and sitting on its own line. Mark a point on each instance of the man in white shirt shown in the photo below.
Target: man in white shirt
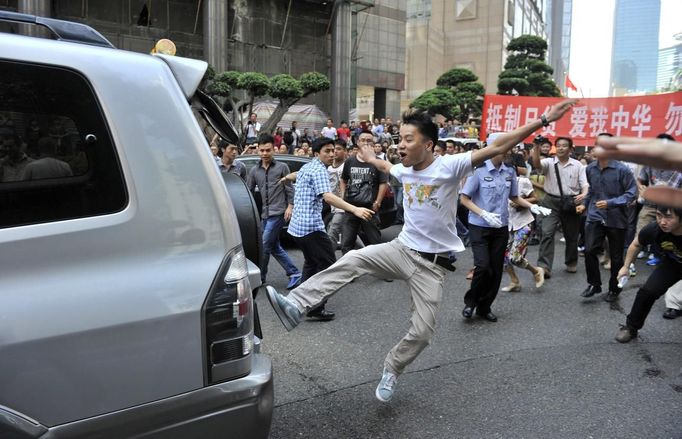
{"x": 329, "y": 131}
{"x": 252, "y": 129}
{"x": 419, "y": 255}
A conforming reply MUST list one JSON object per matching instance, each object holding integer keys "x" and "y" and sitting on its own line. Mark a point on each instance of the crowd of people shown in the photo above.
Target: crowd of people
{"x": 498, "y": 199}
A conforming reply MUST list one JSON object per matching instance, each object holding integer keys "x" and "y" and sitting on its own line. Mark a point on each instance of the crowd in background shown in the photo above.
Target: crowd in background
{"x": 577, "y": 231}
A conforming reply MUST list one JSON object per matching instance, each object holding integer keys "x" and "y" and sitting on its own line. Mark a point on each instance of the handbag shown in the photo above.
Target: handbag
{"x": 567, "y": 203}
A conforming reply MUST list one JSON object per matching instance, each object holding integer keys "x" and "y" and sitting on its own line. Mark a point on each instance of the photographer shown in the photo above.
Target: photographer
{"x": 252, "y": 129}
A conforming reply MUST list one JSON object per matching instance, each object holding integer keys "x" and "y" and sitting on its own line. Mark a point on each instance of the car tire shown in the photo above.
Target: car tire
{"x": 247, "y": 216}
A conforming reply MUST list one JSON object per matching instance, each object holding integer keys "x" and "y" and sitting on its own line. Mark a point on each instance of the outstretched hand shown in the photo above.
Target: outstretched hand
{"x": 659, "y": 153}
{"x": 557, "y": 111}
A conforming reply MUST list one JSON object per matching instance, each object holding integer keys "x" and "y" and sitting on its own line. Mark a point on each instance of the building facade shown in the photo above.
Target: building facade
{"x": 471, "y": 34}
{"x": 558, "y": 18}
{"x": 669, "y": 73}
{"x": 634, "y": 58}
{"x": 356, "y": 43}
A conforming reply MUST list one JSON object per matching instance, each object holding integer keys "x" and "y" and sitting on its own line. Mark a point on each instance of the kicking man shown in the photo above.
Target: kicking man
{"x": 419, "y": 255}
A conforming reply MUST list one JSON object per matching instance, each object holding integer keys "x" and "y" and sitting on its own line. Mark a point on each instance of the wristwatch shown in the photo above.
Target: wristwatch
{"x": 544, "y": 120}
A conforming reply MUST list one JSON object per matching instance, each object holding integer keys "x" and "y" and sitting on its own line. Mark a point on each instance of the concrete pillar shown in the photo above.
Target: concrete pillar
{"x": 40, "y": 8}
{"x": 215, "y": 34}
{"x": 341, "y": 63}
{"x": 34, "y": 7}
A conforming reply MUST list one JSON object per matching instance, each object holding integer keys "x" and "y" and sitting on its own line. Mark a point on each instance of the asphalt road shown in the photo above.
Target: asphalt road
{"x": 548, "y": 368}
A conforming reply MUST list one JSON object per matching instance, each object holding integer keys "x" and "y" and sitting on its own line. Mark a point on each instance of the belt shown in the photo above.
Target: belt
{"x": 558, "y": 196}
{"x": 438, "y": 260}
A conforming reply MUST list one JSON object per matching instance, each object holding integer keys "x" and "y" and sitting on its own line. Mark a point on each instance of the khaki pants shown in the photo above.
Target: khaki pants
{"x": 673, "y": 297}
{"x": 646, "y": 216}
{"x": 390, "y": 260}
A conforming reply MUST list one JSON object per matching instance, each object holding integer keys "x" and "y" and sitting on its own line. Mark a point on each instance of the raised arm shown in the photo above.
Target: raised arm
{"x": 366, "y": 153}
{"x": 506, "y": 141}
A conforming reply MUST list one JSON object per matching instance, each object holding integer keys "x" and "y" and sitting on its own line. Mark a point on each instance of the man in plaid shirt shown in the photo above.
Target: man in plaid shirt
{"x": 307, "y": 226}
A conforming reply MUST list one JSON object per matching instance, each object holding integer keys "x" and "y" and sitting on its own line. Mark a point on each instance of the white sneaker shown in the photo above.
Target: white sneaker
{"x": 385, "y": 389}
{"x": 641, "y": 255}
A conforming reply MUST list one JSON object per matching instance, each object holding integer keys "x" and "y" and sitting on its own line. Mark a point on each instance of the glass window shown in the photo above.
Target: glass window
{"x": 57, "y": 160}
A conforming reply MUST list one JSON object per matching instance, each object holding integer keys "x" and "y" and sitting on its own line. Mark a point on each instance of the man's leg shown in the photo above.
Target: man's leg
{"x": 276, "y": 248}
{"x": 269, "y": 234}
{"x": 349, "y": 232}
{"x": 616, "y": 238}
{"x": 318, "y": 254}
{"x": 570, "y": 225}
{"x": 594, "y": 237}
{"x": 388, "y": 260}
{"x": 334, "y": 227}
{"x": 371, "y": 230}
{"x": 426, "y": 291}
{"x": 549, "y": 225}
{"x": 480, "y": 283}
{"x": 663, "y": 277}
{"x": 496, "y": 247}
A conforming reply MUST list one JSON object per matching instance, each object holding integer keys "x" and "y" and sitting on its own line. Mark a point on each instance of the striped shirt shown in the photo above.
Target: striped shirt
{"x": 312, "y": 181}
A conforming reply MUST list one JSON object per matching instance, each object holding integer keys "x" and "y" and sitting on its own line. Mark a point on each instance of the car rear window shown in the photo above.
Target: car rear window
{"x": 57, "y": 159}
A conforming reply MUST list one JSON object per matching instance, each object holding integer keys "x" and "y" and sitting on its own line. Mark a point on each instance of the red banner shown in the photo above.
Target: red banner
{"x": 638, "y": 116}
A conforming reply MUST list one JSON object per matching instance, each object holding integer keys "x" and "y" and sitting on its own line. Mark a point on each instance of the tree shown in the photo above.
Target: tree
{"x": 458, "y": 94}
{"x": 225, "y": 86}
{"x": 437, "y": 101}
{"x": 236, "y": 90}
{"x": 526, "y": 71}
{"x": 289, "y": 90}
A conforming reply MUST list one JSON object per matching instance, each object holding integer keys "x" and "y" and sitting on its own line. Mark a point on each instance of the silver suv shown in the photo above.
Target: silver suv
{"x": 126, "y": 295}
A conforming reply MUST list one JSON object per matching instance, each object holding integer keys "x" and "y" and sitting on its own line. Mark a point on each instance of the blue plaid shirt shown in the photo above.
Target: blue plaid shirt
{"x": 312, "y": 180}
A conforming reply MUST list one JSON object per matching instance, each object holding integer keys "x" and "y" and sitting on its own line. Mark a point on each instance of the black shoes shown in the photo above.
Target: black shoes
{"x": 489, "y": 316}
{"x": 672, "y": 313}
{"x": 321, "y": 314}
{"x": 625, "y": 334}
{"x": 468, "y": 312}
{"x": 590, "y": 291}
{"x": 612, "y": 296}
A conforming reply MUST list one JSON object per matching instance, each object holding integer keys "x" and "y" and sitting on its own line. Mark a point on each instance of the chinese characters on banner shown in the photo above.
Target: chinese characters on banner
{"x": 638, "y": 116}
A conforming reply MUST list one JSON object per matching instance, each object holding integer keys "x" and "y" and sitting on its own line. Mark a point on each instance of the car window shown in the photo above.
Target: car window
{"x": 57, "y": 159}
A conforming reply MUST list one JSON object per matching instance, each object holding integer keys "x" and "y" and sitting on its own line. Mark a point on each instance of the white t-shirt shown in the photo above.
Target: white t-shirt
{"x": 329, "y": 133}
{"x": 522, "y": 217}
{"x": 335, "y": 182}
{"x": 430, "y": 203}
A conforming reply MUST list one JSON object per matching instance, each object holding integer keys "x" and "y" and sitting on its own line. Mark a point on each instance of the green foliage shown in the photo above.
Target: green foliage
{"x": 525, "y": 69}
{"x": 210, "y": 73}
{"x": 314, "y": 82}
{"x": 230, "y": 78}
{"x": 437, "y": 101}
{"x": 529, "y": 45}
{"x": 285, "y": 87}
{"x": 454, "y": 77}
{"x": 255, "y": 84}
{"x": 465, "y": 91}
{"x": 218, "y": 88}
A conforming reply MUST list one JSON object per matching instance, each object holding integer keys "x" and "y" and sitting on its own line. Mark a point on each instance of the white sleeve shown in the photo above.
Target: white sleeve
{"x": 397, "y": 171}
{"x": 458, "y": 164}
{"x": 525, "y": 187}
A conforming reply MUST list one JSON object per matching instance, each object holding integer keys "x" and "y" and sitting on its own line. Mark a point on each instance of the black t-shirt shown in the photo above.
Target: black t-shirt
{"x": 667, "y": 244}
{"x": 362, "y": 182}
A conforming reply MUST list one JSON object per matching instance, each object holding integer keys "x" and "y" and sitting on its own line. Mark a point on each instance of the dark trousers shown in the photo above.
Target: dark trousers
{"x": 665, "y": 275}
{"x": 569, "y": 224}
{"x": 594, "y": 244}
{"x": 488, "y": 245}
{"x": 318, "y": 255}
{"x": 352, "y": 225}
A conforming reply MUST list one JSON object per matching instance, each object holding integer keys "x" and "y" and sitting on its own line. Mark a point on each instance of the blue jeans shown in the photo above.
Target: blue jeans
{"x": 272, "y": 227}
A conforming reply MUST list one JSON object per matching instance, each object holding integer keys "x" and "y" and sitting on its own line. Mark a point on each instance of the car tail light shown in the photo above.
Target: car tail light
{"x": 228, "y": 321}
